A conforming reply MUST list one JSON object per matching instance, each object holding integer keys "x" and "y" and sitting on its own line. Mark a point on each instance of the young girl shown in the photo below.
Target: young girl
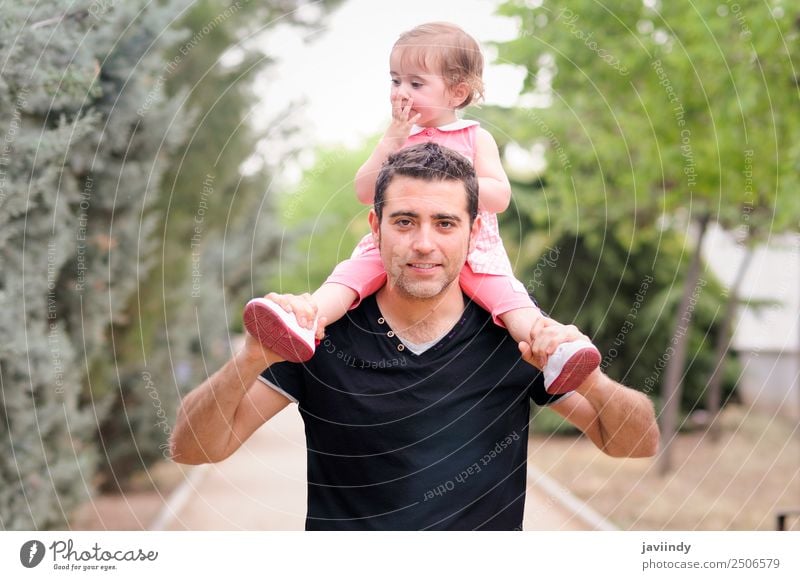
{"x": 436, "y": 69}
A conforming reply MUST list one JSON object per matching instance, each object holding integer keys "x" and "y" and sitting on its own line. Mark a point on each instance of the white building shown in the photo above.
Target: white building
{"x": 766, "y": 336}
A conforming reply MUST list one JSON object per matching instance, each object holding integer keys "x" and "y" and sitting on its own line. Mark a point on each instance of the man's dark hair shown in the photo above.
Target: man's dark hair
{"x": 428, "y": 162}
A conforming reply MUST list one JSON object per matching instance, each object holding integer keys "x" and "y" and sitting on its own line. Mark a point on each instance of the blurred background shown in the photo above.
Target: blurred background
{"x": 163, "y": 162}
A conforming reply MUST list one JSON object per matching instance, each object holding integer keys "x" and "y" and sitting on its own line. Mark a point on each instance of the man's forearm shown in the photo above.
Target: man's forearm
{"x": 203, "y": 428}
{"x": 625, "y": 418}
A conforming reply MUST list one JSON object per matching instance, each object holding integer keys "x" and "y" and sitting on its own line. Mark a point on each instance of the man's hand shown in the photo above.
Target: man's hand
{"x": 548, "y": 335}
{"x": 305, "y": 312}
{"x": 619, "y": 420}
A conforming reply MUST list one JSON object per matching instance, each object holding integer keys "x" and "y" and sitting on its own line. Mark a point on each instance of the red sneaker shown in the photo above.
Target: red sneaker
{"x": 278, "y": 330}
{"x": 569, "y": 366}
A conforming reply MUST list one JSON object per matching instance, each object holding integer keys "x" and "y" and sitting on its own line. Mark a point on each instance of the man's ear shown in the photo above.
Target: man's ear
{"x": 473, "y": 233}
{"x": 375, "y": 226}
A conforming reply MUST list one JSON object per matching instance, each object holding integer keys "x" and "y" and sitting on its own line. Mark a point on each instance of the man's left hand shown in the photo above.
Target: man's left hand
{"x": 549, "y": 334}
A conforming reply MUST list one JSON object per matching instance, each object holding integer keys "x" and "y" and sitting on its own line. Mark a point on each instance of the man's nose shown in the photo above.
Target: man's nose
{"x": 423, "y": 242}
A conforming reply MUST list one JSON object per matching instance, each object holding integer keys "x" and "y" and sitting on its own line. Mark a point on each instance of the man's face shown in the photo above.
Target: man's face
{"x": 424, "y": 236}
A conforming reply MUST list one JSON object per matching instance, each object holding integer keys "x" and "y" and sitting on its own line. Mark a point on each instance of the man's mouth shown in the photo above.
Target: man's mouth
{"x": 423, "y": 266}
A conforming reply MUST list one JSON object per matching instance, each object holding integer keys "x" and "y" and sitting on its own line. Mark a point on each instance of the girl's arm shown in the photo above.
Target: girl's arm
{"x": 493, "y": 186}
{"x": 392, "y": 141}
{"x": 367, "y": 174}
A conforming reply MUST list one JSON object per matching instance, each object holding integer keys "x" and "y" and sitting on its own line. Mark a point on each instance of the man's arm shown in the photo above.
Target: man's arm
{"x": 221, "y": 414}
{"x": 619, "y": 420}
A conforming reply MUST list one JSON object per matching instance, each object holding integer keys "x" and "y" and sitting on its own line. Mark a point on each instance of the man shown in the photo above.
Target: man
{"x": 416, "y": 405}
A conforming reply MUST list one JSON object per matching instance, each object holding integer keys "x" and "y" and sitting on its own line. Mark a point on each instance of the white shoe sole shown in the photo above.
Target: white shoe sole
{"x": 278, "y": 330}
{"x": 569, "y": 366}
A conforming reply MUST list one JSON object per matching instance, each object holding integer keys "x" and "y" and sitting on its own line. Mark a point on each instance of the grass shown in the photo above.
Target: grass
{"x": 738, "y": 483}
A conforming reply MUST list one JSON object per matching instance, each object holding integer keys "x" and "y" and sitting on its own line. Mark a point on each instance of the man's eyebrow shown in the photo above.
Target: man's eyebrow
{"x": 436, "y": 216}
{"x": 447, "y": 216}
{"x": 404, "y": 213}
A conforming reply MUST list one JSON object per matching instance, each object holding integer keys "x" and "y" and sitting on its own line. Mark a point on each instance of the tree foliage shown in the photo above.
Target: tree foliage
{"x": 217, "y": 233}
{"x": 324, "y": 216}
{"x": 128, "y": 228}
{"x": 79, "y": 173}
{"x": 663, "y": 115}
{"x": 663, "y": 110}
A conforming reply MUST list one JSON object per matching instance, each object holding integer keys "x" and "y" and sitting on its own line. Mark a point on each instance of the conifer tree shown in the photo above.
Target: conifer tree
{"x": 78, "y": 173}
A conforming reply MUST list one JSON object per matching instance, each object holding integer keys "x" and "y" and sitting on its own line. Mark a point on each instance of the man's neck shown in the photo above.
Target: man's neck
{"x": 421, "y": 320}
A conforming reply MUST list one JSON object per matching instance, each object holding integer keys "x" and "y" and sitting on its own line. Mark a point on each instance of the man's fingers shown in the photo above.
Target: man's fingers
{"x": 279, "y": 299}
{"x": 549, "y": 334}
{"x": 529, "y": 356}
{"x": 309, "y": 310}
{"x": 303, "y": 307}
{"x": 321, "y": 323}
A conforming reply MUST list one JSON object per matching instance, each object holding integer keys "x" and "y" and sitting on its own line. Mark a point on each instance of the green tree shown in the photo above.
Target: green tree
{"x": 326, "y": 218}
{"x": 77, "y": 176}
{"x": 663, "y": 114}
{"x": 103, "y": 220}
{"x": 217, "y": 233}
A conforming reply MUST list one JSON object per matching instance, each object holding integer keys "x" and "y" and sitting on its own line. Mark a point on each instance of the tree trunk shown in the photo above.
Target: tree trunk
{"x": 714, "y": 389}
{"x": 673, "y": 379}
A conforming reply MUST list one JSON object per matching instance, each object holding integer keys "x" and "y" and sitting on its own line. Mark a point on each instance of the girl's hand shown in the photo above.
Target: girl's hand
{"x": 402, "y": 122}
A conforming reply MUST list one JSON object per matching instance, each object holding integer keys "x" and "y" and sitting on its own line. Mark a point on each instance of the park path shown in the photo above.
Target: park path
{"x": 263, "y": 487}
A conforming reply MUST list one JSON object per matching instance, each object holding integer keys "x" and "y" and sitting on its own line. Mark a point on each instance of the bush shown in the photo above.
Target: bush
{"x": 625, "y": 296}
{"x": 75, "y": 182}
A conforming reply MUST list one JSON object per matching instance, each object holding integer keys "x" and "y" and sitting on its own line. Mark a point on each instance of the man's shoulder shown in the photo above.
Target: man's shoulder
{"x": 359, "y": 317}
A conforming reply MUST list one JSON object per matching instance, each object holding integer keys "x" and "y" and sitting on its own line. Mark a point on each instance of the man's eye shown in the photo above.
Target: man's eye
{"x": 403, "y": 223}
{"x": 446, "y": 225}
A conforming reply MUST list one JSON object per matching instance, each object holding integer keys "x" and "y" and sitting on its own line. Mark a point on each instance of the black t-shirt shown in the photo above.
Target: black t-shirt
{"x": 398, "y": 441}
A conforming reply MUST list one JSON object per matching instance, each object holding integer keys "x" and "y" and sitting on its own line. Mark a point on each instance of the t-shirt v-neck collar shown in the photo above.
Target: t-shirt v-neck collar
{"x": 403, "y": 345}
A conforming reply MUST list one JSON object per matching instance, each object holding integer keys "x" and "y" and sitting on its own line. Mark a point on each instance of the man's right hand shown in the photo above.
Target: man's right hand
{"x": 305, "y": 311}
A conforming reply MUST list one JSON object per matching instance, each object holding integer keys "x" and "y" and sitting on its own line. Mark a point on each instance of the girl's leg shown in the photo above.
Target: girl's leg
{"x": 351, "y": 282}
{"x": 505, "y": 298}
{"x": 279, "y": 331}
{"x": 511, "y": 307}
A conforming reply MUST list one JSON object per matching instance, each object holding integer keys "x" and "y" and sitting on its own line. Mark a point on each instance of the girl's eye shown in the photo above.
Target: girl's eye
{"x": 416, "y": 84}
{"x": 396, "y": 82}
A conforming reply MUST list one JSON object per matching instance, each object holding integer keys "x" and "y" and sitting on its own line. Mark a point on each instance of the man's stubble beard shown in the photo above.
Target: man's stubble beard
{"x": 412, "y": 290}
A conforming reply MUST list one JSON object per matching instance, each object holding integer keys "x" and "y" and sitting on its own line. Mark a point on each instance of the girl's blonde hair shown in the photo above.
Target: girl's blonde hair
{"x": 445, "y": 48}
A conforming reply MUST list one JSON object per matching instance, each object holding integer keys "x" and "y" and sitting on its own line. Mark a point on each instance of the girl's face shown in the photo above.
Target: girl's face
{"x": 429, "y": 95}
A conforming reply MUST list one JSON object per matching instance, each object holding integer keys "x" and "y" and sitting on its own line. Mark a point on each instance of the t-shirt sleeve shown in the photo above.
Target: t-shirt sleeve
{"x": 543, "y": 398}
{"x": 286, "y": 378}
{"x": 537, "y": 392}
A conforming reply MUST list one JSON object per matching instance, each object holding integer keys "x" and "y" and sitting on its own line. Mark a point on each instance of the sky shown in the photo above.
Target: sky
{"x": 341, "y": 69}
